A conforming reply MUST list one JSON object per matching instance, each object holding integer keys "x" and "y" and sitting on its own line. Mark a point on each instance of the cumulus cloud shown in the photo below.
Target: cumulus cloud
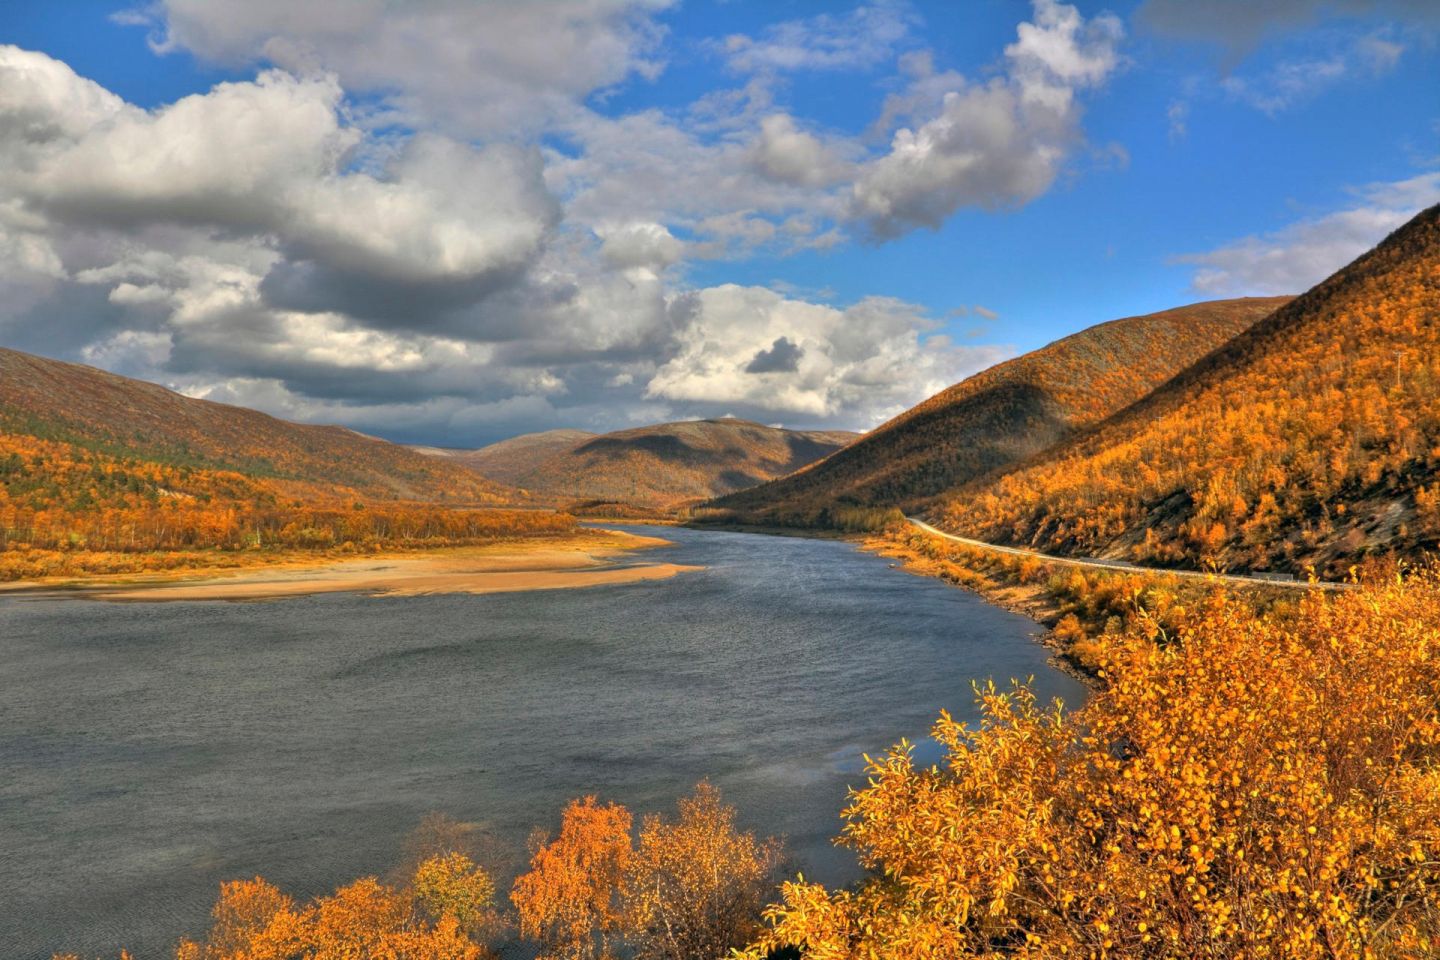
{"x": 417, "y": 219}
{"x": 875, "y": 358}
{"x": 475, "y": 68}
{"x": 994, "y": 144}
{"x": 639, "y": 246}
{"x": 1297, "y": 257}
{"x": 268, "y": 158}
{"x": 788, "y": 154}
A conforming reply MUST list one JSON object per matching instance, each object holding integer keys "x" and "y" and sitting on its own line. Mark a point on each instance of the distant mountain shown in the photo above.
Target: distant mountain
{"x": 654, "y": 468}
{"x": 510, "y": 460}
{"x": 121, "y": 419}
{"x": 1002, "y": 415}
{"x": 1313, "y": 438}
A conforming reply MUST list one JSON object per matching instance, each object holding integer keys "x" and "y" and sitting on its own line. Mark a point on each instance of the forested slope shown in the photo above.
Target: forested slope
{"x": 1312, "y": 438}
{"x": 1002, "y": 415}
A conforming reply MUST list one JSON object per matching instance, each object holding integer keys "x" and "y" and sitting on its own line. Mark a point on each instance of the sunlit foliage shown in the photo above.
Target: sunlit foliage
{"x": 692, "y": 886}
{"x": 569, "y": 901}
{"x": 1312, "y": 438}
{"x": 1084, "y": 607}
{"x": 996, "y": 418}
{"x": 696, "y": 886}
{"x": 1241, "y": 787}
{"x": 66, "y": 510}
{"x": 252, "y": 920}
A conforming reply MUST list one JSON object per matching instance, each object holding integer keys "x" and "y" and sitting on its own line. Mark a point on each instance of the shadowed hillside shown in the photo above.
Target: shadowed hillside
{"x": 1312, "y": 438}
{"x": 108, "y": 414}
{"x": 1000, "y": 416}
{"x": 665, "y": 466}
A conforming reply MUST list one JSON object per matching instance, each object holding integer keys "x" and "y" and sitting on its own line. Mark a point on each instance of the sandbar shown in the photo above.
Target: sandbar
{"x": 587, "y": 558}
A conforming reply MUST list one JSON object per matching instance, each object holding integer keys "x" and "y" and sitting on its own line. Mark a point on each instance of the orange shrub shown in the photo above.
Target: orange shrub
{"x": 1245, "y": 788}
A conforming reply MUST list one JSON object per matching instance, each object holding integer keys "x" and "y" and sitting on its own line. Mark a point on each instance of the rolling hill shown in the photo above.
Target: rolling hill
{"x": 1000, "y": 416}
{"x": 657, "y": 467}
{"x": 1313, "y": 438}
{"x": 510, "y": 460}
{"x": 104, "y": 474}
{"x": 111, "y": 415}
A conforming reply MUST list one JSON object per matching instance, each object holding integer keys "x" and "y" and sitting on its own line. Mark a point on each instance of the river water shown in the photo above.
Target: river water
{"x": 150, "y": 750}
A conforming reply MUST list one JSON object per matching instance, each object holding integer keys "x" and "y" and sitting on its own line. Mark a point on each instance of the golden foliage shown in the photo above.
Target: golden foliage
{"x": 1309, "y": 439}
{"x": 569, "y": 901}
{"x": 1244, "y": 787}
{"x": 67, "y": 510}
{"x": 252, "y": 920}
{"x": 696, "y": 886}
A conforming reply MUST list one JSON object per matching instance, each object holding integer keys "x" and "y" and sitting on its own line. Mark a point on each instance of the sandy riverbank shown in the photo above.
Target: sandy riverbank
{"x": 585, "y": 559}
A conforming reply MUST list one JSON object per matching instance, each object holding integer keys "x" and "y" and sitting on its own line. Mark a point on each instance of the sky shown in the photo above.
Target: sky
{"x": 453, "y": 221}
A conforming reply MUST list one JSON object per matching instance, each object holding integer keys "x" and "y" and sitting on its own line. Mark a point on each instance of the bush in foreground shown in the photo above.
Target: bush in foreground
{"x": 1242, "y": 787}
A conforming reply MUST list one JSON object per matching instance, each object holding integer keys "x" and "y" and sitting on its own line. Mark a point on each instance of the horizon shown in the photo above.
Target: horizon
{"x": 640, "y": 212}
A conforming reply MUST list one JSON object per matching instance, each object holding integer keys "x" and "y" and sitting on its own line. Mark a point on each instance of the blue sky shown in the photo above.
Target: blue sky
{"x": 508, "y": 216}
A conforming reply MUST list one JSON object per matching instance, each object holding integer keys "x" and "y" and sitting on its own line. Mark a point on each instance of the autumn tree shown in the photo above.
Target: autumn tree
{"x": 696, "y": 886}
{"x": 253, "y": 920}
{"x": 570, "y": 900}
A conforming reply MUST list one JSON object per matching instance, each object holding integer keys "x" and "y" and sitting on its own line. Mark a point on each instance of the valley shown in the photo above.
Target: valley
{"x": 690, "y": 480}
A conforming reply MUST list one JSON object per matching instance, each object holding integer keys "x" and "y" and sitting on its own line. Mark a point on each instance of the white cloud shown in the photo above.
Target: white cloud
{"x": 1296, "y": 257}
{"x": 370, "y": 230}
{"x": 473, "y": 68}
{"x": 1292, "y": 81}
{"x": 639, "y": 246}
{"x": 995, "y": 144}
{"x": 753, "y": 349}
{"x": 268, "y": 159}
{"x": 785, "y": 153}
{"x": 866, "y": 37}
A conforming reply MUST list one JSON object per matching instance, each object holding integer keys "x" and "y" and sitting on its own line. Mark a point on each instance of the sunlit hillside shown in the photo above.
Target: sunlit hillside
{"x": 101, "y": 473}
{"x": 1003, "y": 415}
{"x": 103, "y": 413}
{"x": 1312, "y": 438}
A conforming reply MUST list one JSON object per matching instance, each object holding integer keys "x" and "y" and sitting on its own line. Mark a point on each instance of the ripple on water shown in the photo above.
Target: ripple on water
{"x": 149, "y": 751}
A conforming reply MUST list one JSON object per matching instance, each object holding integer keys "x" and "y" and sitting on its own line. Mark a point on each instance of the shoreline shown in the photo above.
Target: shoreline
{"x": 1030, "y": 601}
{"x": 591, "y": 557}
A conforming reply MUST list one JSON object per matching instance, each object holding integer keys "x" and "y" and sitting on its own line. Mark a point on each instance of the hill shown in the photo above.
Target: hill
{"x": 668, "y": 465}
{"x": 101, "y": 473}
{"x": 1313, "y": 438}
{"x": 108, "y": 414}
{"x": 1000, "y": 416}
{"x": 510, "y": 460}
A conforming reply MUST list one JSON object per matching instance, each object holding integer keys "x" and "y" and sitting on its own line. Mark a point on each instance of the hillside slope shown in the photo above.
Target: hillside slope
{"x": 509, "y": 460}
{"x": 1001, "y": 415}
{"x": 664, "y": 466}
{"x": 1311, "y": 439}
{"x": 120, "y": 417}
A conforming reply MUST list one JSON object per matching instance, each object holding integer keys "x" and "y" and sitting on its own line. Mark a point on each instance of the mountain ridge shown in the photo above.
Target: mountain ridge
{"x": 1311, "y": 438}
{"x": 1000, "y": 416}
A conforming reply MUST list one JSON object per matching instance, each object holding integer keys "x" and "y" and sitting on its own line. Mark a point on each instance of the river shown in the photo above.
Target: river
{"x": 150, "y": 750}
